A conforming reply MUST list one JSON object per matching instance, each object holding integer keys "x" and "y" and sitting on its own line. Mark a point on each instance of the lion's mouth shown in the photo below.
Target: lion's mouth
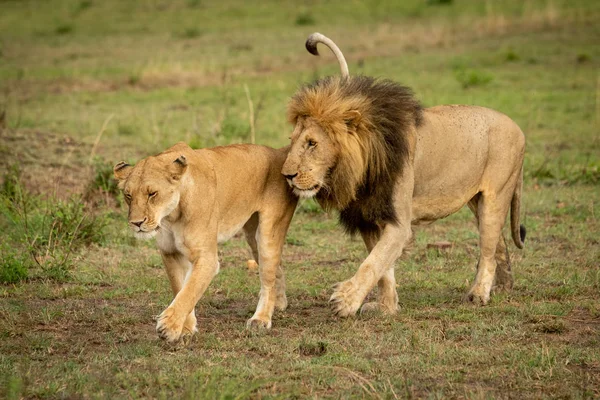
{"x": 306, "y": 193}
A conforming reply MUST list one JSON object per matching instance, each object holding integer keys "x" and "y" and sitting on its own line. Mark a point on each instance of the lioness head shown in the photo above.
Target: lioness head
{"x": 151, "y": 190}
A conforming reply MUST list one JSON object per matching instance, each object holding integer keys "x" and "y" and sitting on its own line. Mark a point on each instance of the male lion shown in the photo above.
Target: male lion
{"x": 367, "y": 148}
{"x": 193, "y": 199}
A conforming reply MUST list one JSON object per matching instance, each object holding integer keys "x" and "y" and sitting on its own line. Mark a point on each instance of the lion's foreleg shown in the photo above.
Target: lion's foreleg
{"x": 349, "y": 295}
{"x": 387, "y": 297}
{"x": 171, "y": 321}
{"x": 177, "y": 267}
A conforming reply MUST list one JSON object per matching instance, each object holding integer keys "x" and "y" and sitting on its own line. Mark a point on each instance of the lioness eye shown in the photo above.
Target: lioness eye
{"x": 311, "y": 143}
{"x": 151, "y": 194}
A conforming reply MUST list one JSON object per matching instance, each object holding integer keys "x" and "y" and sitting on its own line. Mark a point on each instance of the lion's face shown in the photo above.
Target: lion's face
{"x": 311, "y": 157}
{"x": 151, "y": 190}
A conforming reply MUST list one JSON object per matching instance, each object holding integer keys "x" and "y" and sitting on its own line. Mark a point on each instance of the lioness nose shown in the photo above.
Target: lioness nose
{"x": 138, "y": 223}
{"x": 290, "y": 177}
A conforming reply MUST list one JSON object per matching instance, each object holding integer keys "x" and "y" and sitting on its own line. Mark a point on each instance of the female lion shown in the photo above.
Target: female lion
{"x": 193, "y": 199}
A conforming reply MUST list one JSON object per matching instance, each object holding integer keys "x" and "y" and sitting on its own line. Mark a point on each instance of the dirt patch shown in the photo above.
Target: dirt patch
{"x": 49, "y": 163}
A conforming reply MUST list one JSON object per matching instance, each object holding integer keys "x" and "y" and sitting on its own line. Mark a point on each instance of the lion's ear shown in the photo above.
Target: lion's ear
{"x": 122, "y": 170}
{"x": 178, "y": 168}
{"x": 352, "y": 118}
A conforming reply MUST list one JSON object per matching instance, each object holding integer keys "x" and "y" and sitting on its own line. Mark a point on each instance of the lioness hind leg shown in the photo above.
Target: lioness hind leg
{"x": 491, "y": 213}
{"x": 250, "y": 230}
{"x": 504, "y": 278}
{"x": 270, "y": 238}
{"x": 387, "y": 296}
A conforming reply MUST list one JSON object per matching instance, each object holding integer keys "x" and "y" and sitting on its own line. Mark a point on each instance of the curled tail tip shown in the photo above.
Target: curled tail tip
{"x": 522, "y": 235}
{"x": 311, "y": 43}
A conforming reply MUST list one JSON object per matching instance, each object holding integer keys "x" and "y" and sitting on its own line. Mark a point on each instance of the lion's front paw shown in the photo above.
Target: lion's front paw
{"x": 168, "y": 326}
{"x": 477, "y": 296}
{"x": 346, "y": 298}
{"x": 258, "y": 324}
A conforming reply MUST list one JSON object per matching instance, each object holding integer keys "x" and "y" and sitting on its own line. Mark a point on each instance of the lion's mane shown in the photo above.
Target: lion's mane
{"x": 369, "y": 120}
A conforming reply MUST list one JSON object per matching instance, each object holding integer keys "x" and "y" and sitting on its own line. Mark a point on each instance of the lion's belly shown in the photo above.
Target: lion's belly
{"x": 450, "y": 159}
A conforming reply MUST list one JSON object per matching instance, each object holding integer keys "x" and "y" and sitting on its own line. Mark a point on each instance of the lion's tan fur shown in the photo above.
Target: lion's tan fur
{"x": 368, "y": 121}
{"x": 388, "y": 164}
{"x": 330, "y": 108}
{"x": 193, "y": 199}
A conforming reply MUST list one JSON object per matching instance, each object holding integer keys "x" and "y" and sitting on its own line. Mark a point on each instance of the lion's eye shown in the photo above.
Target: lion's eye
{"x": 152, "y": 194}
{"x": 311, "y": 143}
{"x": 127, "y": 196}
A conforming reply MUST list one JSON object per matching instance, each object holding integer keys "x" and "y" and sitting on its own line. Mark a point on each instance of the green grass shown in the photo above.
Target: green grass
{"x": 84, "y": 84}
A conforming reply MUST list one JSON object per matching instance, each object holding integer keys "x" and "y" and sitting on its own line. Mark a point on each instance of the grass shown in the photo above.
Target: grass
{"x": 86, "y": 84}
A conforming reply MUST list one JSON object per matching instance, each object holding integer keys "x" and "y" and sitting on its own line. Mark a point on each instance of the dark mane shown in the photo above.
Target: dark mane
{"x": 389, "y": 111}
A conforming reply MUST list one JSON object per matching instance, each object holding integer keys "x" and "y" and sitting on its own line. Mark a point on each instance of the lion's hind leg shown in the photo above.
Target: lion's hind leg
{"x": 504, "y": 277}
{"x": 270, "y": 235}
{"x": 491, "y": 212}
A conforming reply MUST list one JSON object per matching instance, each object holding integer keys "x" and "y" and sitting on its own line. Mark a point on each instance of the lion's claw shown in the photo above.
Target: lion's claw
{"x": 346, "y": 299}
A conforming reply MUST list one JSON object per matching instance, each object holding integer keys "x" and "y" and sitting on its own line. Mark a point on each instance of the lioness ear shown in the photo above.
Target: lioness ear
{"x": 352, "y": 118}
{"x": 122, "y": 170}
{"x": 178, "y": 168}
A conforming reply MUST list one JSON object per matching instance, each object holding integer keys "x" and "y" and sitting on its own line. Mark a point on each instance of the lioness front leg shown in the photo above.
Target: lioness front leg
{"x": 171, "y": 321}
{"x": 349, "y": 295}
{"x": 177, "y": 267}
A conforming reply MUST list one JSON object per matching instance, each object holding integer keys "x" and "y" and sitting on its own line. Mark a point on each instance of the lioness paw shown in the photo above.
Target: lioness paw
{"x": 257, "y": 324}
{"x": 169, "y": 327}
{"x": 189, "y": 327}
{"x": 346, "y": 299}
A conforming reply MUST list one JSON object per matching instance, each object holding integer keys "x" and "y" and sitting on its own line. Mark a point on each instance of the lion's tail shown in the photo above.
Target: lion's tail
{"x": 311, "y": 46}
{"x": 518, "y": 231}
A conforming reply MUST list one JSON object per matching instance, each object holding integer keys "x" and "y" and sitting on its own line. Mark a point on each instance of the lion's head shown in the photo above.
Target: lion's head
{"x": 151, "y": 189}
{"x": 350, "y": 143}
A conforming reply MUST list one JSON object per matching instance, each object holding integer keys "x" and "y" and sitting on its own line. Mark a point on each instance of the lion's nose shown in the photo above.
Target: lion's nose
{"x": 138, "y": 223}
{"x": 290, "y": 177}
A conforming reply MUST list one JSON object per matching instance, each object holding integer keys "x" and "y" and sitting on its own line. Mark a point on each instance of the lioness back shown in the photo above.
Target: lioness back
{"x": 248, "y": 176}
